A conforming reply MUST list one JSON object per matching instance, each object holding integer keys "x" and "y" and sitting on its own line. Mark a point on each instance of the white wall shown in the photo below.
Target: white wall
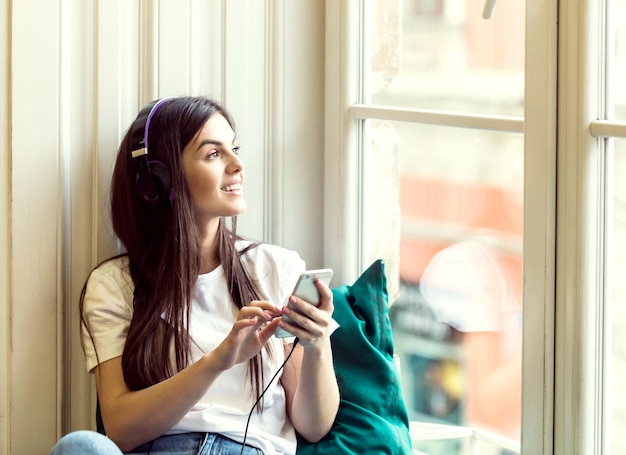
{"x": 4, "y": 229}
{"x": 73, "y": 74}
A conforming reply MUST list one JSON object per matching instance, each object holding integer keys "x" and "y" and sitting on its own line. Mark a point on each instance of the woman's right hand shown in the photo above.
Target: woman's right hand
{"x": 254, "y": 326}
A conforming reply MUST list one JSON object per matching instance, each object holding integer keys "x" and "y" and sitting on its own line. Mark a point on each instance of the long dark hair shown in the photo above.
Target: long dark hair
{"x": 163, "y": 248}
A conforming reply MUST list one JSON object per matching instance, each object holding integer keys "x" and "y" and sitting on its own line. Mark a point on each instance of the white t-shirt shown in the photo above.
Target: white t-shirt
{"x": 225, "y": 407}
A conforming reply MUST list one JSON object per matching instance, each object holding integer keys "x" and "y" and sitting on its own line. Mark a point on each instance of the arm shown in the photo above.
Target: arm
{"x": 132, "y": 418}
{"x": 309, "y": 377}
{"x": 495, "y": 386}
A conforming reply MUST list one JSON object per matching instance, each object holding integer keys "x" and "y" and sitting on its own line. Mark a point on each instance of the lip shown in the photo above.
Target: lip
{"x": 234, "y": 187}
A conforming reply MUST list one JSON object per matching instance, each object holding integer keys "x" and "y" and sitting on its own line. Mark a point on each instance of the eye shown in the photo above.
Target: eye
{"x": 213, "y": 154}
{"x": 235, "y": 150}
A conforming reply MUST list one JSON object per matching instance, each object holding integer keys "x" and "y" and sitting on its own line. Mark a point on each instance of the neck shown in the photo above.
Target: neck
{"x": 209, "y": 263}
{"x": 208, "y": 245}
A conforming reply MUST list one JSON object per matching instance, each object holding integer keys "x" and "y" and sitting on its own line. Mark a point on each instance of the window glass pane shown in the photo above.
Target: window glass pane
{"x": 618, "y": 76}
{"x": 443, "y": 55}
{"x": 457, "y": 315}
{"x": 616, "y": 403}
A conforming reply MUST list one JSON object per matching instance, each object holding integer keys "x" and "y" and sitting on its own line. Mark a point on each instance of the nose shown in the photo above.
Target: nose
{"x": 235, "y": 163}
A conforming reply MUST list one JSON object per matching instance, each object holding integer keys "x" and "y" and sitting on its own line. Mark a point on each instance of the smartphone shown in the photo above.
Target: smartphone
{"x": 306, "y": 290}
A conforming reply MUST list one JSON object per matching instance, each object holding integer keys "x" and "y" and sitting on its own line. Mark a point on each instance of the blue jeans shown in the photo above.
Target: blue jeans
{"x": 92, "y": 443}
{"x": 193, "y": 444}
{"x": 85, "y": 442}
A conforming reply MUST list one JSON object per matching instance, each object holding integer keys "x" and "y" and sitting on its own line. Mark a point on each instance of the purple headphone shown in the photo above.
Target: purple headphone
{"x": 152, "y": 177}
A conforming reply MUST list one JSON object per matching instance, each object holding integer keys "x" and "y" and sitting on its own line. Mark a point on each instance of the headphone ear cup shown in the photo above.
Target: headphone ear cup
{"x": 161, "y": 176}
{"x": 153, "y": 183}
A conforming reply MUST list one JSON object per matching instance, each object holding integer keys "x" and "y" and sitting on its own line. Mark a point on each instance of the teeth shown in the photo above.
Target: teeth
{"x": 234, "y": 187}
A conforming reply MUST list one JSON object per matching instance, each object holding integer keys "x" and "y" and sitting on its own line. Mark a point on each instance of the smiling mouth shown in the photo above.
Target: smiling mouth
{"x": 235, "y": 187}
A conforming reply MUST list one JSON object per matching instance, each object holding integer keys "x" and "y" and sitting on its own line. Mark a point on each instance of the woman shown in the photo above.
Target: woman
{"x": 178, "y": 331}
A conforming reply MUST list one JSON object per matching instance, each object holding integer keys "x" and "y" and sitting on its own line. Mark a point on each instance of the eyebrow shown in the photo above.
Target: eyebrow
{"x": 213, "y": 142}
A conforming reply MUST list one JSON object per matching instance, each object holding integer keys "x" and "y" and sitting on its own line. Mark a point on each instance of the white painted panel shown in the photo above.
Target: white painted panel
{"x": 78, "y": 188}
{"x": 275, "y": 62}
{"x": 35, "y": 292}
{"x": 5, "y": 244}
{"x": 302, "y": 145}
{"x": 111, "y": 84}
{"x": 340, "y": 160}
{"x": 117, "y": 101}
{"x": 206, "y": 62}
{"x": 245, "y": 96}
{"x": 188, "y": 46}
{"x": 174, "y": 43}
{"x": 148, "y": 49}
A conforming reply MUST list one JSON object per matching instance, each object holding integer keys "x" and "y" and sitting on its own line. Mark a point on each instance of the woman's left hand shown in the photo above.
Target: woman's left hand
{"x": 313, "y": 322}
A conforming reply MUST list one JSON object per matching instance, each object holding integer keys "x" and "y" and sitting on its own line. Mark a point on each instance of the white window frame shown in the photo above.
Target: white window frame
{"x": 342, "y": 228}
{"x": 565, "y": 240}
{"x": 342, "y": 215}
{"x": 584, "y": 245}
{"x": 539, "y": 254}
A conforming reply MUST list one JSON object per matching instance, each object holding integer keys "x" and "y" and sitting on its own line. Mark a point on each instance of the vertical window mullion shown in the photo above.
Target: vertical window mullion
{"x": 581, "y": 259}
{"x": 540, "y": 227}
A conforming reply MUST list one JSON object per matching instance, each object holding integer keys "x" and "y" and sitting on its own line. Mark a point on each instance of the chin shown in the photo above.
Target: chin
{"x": 239, "y": 210}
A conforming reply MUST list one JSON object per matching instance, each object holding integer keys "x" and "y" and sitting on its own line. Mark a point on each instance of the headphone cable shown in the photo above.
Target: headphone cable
{"x": 245, "y": 434}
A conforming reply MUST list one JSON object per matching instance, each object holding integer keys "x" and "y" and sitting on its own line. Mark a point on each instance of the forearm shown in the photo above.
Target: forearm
{"x": 132, "y": 418}
{"x": 316, "y": 399}
{"x": 496, "y": 397}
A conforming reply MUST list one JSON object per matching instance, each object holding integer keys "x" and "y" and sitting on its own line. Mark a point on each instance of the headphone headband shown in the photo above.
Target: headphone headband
{"x": 141, "y": 126}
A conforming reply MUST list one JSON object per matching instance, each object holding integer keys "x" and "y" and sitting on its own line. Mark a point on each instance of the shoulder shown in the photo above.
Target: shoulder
{"x": 274, "y": 269}
{"x": 263, "y": 256}
{"x": 107, "y": 308}
{"x": 113, "y": 270}
{"x": 108, "y": 283}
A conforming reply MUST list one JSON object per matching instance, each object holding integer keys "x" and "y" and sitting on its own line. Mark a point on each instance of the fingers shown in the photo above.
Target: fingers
{"x": 326, "y": 296}
{"x": 265, "y": 305}
{"x": 260, "y": 310}
{"x": 260, "y": 316}
{"x": 252, "y": 318}
{"x": 254, "y": 326}
{"x": 315, "y": 311}
{"x": 304, "y": 319}
{"x": 265, "y": 331}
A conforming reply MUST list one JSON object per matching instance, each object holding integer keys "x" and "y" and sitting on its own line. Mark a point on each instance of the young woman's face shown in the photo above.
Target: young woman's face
{"x": 214, "y": 171}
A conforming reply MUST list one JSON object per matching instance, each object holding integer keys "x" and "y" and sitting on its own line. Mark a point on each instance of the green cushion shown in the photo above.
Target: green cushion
{"x": 372, "y": 415}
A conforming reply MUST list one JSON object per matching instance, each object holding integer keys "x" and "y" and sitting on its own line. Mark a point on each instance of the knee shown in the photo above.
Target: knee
{"x": 85, "y": 442}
